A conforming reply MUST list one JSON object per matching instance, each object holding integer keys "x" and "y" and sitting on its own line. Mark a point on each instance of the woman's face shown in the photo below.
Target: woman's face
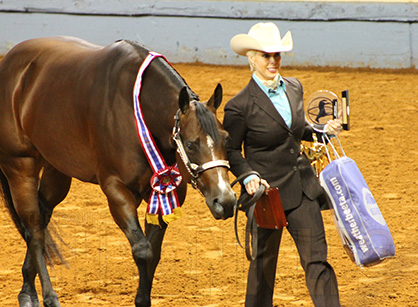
{"x": 266, "y": 65}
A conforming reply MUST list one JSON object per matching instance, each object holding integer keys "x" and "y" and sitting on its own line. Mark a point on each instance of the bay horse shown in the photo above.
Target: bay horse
{"x": 66, "y": 111}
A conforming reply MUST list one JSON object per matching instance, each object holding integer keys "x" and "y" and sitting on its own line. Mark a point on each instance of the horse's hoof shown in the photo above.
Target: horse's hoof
{"x": 28, "y": 300}
{"x": 51, "y": 302}
{"x": 142, "y": 302}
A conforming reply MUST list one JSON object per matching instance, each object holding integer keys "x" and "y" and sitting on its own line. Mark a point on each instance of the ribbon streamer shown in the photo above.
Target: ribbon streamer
{"x": 163, "y": 199}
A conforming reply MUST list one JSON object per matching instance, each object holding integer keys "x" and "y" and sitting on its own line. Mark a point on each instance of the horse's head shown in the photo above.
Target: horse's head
{"x": 201, "y": 151}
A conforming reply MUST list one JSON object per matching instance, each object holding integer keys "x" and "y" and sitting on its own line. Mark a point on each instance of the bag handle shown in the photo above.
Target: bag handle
{"x": 327, "y": 140}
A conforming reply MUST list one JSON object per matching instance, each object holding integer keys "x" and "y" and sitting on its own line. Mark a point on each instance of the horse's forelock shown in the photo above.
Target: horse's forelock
{"x": 207, "y": 121}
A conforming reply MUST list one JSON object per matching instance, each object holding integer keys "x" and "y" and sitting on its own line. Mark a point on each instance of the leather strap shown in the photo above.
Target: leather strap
{"x": 247, "y": 203}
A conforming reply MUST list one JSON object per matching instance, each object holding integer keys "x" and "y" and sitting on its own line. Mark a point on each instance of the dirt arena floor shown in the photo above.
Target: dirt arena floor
{"x": 201, "y": 264}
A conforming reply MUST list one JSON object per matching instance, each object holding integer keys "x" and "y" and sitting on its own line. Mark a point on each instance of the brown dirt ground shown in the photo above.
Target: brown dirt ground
{"x": 201, "y": 264}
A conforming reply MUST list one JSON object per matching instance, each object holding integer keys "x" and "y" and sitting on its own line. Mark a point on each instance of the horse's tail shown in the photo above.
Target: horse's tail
{"x": 7, "y": 198}
{"x": 52, "y": 251}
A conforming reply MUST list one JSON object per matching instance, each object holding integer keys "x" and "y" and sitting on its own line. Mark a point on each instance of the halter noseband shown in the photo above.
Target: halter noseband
{"x": 192, "y": 168}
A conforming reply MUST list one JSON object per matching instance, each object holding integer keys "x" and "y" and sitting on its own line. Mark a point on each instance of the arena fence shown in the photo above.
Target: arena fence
{"x": 326, "y": 33}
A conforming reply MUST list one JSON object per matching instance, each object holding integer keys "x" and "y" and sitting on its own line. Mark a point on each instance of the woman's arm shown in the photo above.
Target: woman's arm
{"x": 234, "y": 123}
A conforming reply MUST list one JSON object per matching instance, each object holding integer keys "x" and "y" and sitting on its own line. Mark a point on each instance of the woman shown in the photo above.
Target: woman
{"x": 268, "y": 118}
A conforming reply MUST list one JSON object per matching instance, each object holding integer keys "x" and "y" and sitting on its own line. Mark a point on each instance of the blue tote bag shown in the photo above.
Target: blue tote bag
{"x": 362, "y": 228}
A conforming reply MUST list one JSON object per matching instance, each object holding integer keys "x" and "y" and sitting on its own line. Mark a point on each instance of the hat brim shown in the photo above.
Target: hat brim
{"x": 242, "y": 43}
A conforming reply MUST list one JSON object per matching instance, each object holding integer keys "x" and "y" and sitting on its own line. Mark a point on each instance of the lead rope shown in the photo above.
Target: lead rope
{"x": 247, "y": 203}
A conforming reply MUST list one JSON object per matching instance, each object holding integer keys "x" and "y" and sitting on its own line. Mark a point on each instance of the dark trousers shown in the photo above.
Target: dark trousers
{"x": 307, "y": 230}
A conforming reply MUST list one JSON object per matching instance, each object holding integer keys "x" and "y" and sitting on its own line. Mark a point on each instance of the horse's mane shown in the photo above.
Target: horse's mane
{"x": 165, "y": 66}
{"x": 204, "y": 116}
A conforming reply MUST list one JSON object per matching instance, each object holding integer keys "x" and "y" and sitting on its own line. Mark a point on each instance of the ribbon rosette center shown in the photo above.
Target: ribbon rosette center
{"x": 166, "y": 180}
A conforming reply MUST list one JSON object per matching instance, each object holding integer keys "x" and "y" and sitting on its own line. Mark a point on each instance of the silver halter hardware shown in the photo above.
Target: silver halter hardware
{"x": 192, "y": 168}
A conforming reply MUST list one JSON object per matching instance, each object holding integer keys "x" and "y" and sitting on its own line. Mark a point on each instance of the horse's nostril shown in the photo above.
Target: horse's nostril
{"x": 223, "y": 209}
{"x": 217, "y": 209}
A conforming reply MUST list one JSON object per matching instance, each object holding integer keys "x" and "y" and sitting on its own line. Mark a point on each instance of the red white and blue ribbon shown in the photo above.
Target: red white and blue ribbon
{"x": 163, "y": 199}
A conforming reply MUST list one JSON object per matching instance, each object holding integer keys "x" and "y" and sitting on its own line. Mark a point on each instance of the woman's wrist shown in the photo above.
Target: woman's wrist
{"x": 249, "y": 178}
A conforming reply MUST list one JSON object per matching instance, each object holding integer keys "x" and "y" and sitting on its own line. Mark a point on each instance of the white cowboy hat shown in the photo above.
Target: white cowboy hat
{"x": 262, "y": 37}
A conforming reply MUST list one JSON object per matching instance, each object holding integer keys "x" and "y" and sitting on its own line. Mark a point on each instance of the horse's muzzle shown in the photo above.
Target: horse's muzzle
{"x": 223, "y": 207}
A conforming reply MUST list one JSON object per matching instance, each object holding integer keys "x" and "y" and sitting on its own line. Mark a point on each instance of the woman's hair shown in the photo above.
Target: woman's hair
{"x": 251, "y": 53}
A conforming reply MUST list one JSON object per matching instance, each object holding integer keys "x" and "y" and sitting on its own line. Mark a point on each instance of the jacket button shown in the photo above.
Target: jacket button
{"x": 295, "y": 168}
{"x": 292, "y": 151}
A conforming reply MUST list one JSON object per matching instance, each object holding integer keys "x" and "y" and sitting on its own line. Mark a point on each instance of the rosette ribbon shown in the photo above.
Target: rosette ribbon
{"x": 163, "y": 199}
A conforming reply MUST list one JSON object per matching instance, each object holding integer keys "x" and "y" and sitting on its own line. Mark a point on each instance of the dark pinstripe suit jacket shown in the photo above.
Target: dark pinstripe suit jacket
{"x": 270, "y": 146}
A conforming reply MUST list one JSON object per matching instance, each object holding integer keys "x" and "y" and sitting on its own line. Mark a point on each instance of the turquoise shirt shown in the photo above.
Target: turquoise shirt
{"x": 278, "y": 98}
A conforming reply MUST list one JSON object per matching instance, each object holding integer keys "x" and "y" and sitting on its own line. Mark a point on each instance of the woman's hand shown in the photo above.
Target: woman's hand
{"x": 334, "y": 126}
{"x": 252, "y": 186}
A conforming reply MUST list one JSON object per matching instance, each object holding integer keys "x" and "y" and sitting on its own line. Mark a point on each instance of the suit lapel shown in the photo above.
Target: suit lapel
{"x": 292, "y": 102}
{"x": 264, "y": 102}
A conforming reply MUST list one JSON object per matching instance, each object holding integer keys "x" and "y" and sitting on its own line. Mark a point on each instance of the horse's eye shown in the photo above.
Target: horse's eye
{"x": 190, "y": 146}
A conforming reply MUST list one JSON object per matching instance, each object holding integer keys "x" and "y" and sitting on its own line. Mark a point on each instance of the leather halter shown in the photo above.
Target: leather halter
{"x": 195, "y": 170}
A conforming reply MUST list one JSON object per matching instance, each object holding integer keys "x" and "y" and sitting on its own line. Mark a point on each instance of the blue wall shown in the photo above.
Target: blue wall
{"x": 345, "y": 34}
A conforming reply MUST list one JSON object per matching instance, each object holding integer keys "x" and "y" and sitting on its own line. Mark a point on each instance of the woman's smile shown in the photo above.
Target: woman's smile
{"x": 266, "y": 65}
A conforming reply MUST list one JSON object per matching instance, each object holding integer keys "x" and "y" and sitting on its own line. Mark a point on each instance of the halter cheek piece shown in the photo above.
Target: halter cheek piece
{"x": 192, "y": 168}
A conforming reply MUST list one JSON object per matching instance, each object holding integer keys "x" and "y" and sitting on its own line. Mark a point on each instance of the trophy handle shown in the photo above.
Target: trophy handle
{"x": 346, "y": 110}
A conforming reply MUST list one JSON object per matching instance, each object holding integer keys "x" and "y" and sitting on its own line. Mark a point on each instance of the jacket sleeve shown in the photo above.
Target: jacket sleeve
{"x": 308, "y": 133}
{"x": 234, "y": 124}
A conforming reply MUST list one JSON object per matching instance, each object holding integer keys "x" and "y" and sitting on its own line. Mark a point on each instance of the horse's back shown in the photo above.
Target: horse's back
{"x": 42, "y": 50}
{"x": 50, "y": 88}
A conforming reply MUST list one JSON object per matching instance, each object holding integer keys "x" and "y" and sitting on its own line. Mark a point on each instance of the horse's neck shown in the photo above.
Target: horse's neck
{"x": 159, "y": 106}
{"x": 161, "y": 85}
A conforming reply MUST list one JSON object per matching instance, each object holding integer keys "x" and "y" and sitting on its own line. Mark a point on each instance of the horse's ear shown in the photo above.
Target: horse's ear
{"x": 184, "y": 99}
{"x": 216, "y": 98}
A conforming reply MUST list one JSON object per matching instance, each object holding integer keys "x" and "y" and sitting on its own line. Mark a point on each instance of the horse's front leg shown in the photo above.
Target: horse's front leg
{"x": 123, "y": 207}
{"x": 155, "y": 235}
